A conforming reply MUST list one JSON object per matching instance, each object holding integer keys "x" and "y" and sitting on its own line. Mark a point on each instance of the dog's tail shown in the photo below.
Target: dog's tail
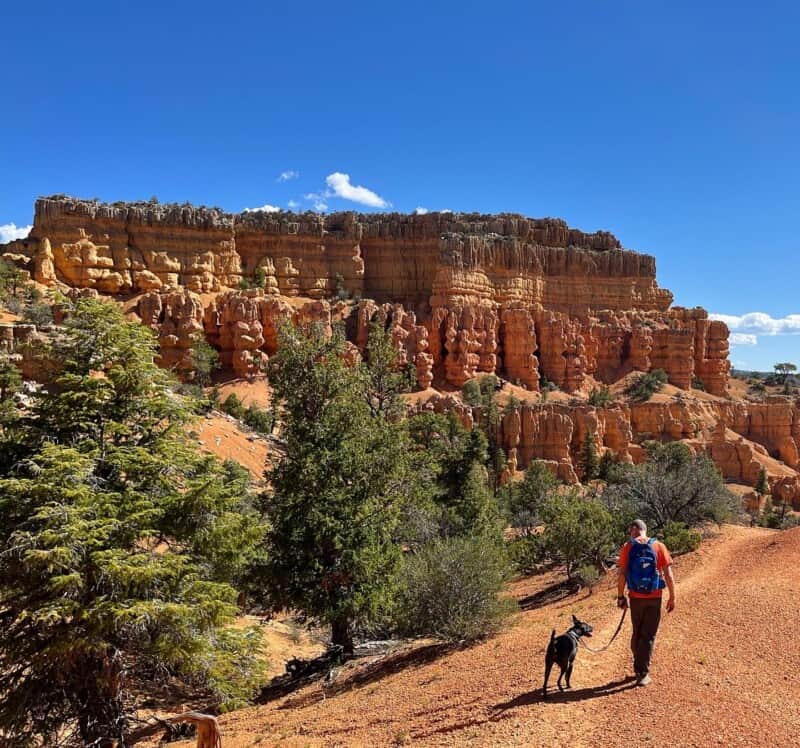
{"x": 552, "y": 639}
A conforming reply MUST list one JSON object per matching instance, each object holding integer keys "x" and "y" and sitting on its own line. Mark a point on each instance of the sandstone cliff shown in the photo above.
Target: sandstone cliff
{"x": 469, "y": 294}
{"x": 460, "y": 294}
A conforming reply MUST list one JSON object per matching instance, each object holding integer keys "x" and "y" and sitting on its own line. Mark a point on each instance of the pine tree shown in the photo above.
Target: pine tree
{"x": 762, "y": 486}
{"x": 117, "y": 541}
{"x": 205, "y": 360}
{"x": 588, "y": 458}
{"x": 336, "y": 494}
{"x": 528, "y": 497}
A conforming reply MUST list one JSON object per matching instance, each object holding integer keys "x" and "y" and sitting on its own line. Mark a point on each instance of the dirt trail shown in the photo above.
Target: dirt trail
{"x": 726, "y": 672}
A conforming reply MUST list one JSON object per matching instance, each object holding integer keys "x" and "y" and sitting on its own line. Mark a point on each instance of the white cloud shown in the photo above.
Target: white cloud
{"x": 420, "y": 211}
{"x": 445, "y": 210}
{"x": 743, "y": 338}
{"x": 320, "y": 206}
{"x": 759, "y": 323}
{"x": 10, "y": 231}
{"x": 293, "y": 204}
{"x": 263, "y": 209}
{"x": 339, "y": 186}
{"x": 285, "y": 176}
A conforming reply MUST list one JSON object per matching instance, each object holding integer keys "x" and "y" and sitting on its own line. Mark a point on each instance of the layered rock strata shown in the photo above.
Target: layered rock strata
{"x": 520, "y": 297}
{"x": 742, "y": 438}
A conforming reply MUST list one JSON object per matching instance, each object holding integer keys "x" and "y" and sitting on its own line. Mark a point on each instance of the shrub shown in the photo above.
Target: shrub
{"x": 680, "y": 539}
{"x": 589, "y": 460}
{"x": 673, "y": 485}
{"x": 451, "y": 589}
{"x": 233, "y": 406}
{"x": 205, "y": 360}
{"x": 578, "y": 531}
{"x": 588, "y": 575}
{"x": 260, "y": 420}
{"x": 600, "y": 397}
{"x": 644, "y": 386}
{"x": 698, "y": 384}
{"x": 524, "y": 500}
{"x": 38, "y": 313}
{"x": 526, "y": 552}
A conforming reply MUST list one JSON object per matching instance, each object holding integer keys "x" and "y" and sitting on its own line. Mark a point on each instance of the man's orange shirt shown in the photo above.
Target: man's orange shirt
{"x": 663, "y": 560}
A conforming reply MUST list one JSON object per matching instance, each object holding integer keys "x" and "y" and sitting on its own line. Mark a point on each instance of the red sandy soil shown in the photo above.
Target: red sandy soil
{"x": 224, "y": 437}
{"x": 726, "y": 672}
{"x": 250, "y": 391}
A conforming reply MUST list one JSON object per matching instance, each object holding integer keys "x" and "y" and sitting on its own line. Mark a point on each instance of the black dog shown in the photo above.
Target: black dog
{"x": 562, "y": 649}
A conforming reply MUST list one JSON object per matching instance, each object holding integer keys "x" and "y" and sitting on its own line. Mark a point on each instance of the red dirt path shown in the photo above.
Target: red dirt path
{"x": 726, "y": 672}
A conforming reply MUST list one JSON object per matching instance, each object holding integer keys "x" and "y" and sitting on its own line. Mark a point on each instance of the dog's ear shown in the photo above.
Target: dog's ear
{"x": 575, "y": 620}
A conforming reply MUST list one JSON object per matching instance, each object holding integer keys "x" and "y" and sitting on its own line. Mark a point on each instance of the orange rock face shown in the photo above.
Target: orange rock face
{"x": 510, "y": 295}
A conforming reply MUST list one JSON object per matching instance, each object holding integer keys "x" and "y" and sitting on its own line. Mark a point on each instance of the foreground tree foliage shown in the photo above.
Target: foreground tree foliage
{"x": 338, "y": 492}
{"x": 118, "y": 541}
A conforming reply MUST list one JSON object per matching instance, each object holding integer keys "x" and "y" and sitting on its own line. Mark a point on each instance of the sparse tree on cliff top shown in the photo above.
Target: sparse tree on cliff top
{"x": 336, "y": 495}
{"x": 783, "y": 370}
{"x": 117, "y": 538}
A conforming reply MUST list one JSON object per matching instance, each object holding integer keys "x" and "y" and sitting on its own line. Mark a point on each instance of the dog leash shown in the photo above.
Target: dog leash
{"x": 619, "y": 628}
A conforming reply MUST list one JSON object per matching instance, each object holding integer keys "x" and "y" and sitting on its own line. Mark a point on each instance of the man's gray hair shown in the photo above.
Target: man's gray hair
{"x": 639, "y": 524}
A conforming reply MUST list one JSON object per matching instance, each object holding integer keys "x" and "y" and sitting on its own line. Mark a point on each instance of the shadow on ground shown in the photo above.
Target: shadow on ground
{"x": 549, "y": 595}
{"x": 562, "y": 697}
{"x": 376, "y": 670}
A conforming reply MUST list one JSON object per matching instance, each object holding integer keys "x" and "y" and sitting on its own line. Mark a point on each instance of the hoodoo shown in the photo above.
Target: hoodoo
{"x": 529, "y": 300}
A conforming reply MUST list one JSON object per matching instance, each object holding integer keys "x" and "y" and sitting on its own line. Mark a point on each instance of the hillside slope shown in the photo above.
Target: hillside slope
{"x": 726, "y": 672}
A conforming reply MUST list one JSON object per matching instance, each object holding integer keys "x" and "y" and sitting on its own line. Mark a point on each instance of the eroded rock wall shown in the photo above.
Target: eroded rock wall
{"x": 505, "y": 294}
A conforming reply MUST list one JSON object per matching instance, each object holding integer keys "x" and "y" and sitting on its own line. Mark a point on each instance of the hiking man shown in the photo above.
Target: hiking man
{"x": 645, "y": 565}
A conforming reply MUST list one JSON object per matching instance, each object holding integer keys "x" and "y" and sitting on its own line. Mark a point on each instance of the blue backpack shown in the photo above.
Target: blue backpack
{"x": 642, "y": 573}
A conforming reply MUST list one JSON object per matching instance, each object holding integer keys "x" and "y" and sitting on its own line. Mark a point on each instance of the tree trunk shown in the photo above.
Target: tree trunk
{"x": 342, "y": 634}
{"x": 101, "y": 717}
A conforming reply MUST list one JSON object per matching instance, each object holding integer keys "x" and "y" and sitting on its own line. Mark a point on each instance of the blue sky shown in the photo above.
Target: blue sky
{"x": 673, "y": 124}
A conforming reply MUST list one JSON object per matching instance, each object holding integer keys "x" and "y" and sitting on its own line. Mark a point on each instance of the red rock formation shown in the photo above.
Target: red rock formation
{"x": 497, "y": 294}
{"x": 177, "y": 317}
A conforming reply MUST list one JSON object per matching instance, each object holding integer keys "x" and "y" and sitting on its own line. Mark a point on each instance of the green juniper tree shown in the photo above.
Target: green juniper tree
{"x": 590, "y": 462}
{"x": 205, "y": 360}
{"x": 118, "y": 541}
{"x": 480, "y": 395}
{"x": 336, "y": 495}
{"x": 527, "y": 498}
{"x": 578, "y": 531}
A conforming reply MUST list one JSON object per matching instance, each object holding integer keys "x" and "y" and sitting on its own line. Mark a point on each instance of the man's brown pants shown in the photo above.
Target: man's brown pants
{"x": 645, "y": 617}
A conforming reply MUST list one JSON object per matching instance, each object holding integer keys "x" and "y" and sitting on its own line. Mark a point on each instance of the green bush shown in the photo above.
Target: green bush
{"x": 233, "y": 406}
{"x": 588, "y": 575}
{"x": 524, "y": 500}
{"x": 600, "y": 397}
{"x": 673, "y": 485}
{"x": 644, "y": 386}
{"x": 578, "y": 531}
{"x": 680, "y": 539}
{"x": 259, "y": 419}
{"x": 38, "y": 313}
{"x": 451, "y": 589}
{"x": 527, "y": 552}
